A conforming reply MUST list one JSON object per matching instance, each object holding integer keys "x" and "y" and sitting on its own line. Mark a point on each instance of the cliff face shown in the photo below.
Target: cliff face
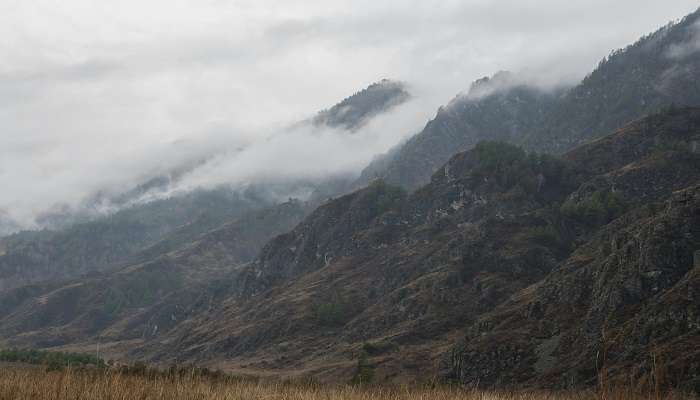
{"x": 622, "y": 301}
{"x": 624, "y": 297}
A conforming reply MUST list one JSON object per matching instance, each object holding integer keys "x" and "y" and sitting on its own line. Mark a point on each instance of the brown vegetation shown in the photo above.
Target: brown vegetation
{"x": 35, "y": 383}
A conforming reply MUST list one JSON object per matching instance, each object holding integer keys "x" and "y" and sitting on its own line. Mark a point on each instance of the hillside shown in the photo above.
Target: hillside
{"x": 506, "y": 269}
{"x": 139, "y": 301}
{"x": 493, "y": 227}
{"x": 43, "y": 256}
{"x": 624, "y": 297}
{"x": 81, "y": 245}
{"x": 526, "y": 238}
{"x": 633, "y": 82}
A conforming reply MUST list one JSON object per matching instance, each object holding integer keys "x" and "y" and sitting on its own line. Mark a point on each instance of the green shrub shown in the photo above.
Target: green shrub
{"x": 511, "y": 167}
{"x": 493, "y": 155}
{"x": 387, "y": 196}
{"x": 547, "y": 235}
{"x": 600, "y": 208}
{"x": 52, "y": 360}
{"x": 364, "y": 373}
{"x": 377, "y": 348}
{"x": 334, "y": 313}
{"x": 370, "y": 348}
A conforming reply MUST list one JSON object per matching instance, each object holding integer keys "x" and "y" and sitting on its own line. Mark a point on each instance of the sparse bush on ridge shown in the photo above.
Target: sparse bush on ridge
{"x": 513, "y": 168}
{"x": 336, "y": 310}
{"x": 547, "y": 235}
{"x": 387, "y": 196}
{"x": 600, "y": 208}
{"x": 364, "y": 374}
{"x": 493, "y": 155}
{"x": 333, "y": 313}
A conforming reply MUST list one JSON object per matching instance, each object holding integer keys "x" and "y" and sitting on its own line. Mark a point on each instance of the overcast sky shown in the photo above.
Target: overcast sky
{"x": 94, "y": 93}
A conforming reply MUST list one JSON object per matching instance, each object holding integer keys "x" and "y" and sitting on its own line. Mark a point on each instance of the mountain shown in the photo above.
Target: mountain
{"x": 625, "y": 299}
{"x": 355, "y": 111}
{"x": 31, "y": 257}
{"x": 656, "y": 72}
{"x": 84, "y": 244}
{"x": 624, "y": 304}
{"x": 500, "y": 267}
{"x": 506, "y": 269}
{"x": 7, "y": 225}
{"x": 498, "y": 108}
{"x": 125, "y": 305}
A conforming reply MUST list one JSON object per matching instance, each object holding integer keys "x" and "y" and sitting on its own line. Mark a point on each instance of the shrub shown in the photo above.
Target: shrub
{"x": 493, "y": 155}
{"x": 387, "y": 196}
{"x": 547, "y": 235}
{"x": 512, "y": 168}
{"x": 600, "y": 208}
{"x": 364, "y": 373}
{"x": 334, "y": 313}
{"x": 52, "y": 360}
{"x": 377, "y": 348}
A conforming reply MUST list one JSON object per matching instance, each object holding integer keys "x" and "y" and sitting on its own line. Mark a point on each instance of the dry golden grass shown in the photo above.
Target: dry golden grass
{"x": 35, "y": 383}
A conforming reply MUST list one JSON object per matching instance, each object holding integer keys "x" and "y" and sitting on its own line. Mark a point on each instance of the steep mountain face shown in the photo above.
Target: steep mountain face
{"x": 142, "y": 300}
{"x": 403, "y": 277}
{"x": 657, "y": 71}
{"x": 356, "y": 110}
{"x": 498, "y": 108}
{"x": 623, "y": 300}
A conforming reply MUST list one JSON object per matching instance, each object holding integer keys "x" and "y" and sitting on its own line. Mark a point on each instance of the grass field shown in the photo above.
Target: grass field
{"x": 39, "y": 384}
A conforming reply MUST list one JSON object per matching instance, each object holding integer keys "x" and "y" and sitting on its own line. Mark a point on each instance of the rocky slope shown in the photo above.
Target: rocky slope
{"x": 45, "y": 256}
{"x": 507, "y": 269}
{"x": 494, "y": 247}
{"x": 138, "y": 301}
{"x": 623, "y": 299}
{"x": 624, "y": 304}
{"x": 657, "y": 71}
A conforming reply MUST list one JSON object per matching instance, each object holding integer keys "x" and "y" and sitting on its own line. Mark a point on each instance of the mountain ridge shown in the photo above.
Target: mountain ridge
{"x": 632, "y": 82}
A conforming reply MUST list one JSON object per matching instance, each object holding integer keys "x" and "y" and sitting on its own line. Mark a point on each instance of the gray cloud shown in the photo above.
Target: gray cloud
{"x": 99, "y": 96}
